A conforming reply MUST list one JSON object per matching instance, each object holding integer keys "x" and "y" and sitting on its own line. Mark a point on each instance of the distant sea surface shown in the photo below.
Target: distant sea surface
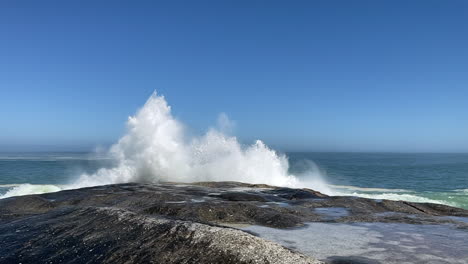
{"x": 422, "y": 177}
{"x": 437, "y": 178}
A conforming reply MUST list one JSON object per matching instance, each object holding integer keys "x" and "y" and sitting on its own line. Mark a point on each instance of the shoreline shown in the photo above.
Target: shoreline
{"x": 296, "y": 222}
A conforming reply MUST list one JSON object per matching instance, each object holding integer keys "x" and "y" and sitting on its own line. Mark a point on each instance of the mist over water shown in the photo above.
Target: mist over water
{"x": 156, "y": 148}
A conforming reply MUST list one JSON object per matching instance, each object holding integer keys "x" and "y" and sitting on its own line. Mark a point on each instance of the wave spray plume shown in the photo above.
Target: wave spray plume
{"x": 156, "y": 148}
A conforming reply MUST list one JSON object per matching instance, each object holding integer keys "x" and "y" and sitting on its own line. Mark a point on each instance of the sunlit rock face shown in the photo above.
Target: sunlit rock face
{"x": 225, "y": 222}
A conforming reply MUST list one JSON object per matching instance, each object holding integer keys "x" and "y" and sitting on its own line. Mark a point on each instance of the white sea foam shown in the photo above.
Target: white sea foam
{"x": 156, "y": 148}
{"x": 397, "y": 197}
{"x": 364, "y": 189}
{"x": 24, "y": 189}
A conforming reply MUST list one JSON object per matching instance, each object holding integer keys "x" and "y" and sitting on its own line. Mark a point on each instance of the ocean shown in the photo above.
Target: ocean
{"x": 156, "y": 147}
{"x": 428, "y": 177}
{"x": 417, "y": 177}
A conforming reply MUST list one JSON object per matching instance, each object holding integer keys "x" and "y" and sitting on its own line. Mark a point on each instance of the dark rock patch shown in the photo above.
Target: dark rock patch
{"x": 184, "y": 223}
{"x": 242, "y": 196}
{"x": 109, "y": 235}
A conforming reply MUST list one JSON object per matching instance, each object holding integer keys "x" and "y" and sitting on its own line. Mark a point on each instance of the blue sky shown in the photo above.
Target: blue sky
{"x": 301, "y": 75}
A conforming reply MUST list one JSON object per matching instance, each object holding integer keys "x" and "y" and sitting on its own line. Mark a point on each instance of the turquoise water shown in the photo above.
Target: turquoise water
{"x": 422, "y": 177}
{"x": 441, "y": 178}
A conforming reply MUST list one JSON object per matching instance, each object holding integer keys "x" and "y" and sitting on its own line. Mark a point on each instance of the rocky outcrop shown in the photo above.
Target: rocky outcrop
{"x": 184, "y": 223}
{"x": 110, "y": 235}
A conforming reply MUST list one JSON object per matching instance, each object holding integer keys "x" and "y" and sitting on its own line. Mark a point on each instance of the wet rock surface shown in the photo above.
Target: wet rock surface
{"x": 190, "y": 223}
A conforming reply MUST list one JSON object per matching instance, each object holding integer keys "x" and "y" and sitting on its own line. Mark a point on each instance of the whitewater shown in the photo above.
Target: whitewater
{"x": 157, "y": 148}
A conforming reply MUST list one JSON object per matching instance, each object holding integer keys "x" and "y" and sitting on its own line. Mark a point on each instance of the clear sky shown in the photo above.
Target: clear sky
{"x": 301, "y": 75}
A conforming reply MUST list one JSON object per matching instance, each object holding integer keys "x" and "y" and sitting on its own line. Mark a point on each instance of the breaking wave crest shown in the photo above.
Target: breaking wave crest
{"x": 456, "y": 198}
{"x": 399, "y": 197}
{"x": 156, "y": 148}
{"x": 24, "y": 189}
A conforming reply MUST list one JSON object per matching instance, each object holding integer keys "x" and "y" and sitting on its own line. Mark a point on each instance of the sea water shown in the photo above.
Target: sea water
{"x": 418, "y": 177}
{"x": 425, "y": 177}
{"x": 156, "y": 147}
{"x": 373, "y": 242}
